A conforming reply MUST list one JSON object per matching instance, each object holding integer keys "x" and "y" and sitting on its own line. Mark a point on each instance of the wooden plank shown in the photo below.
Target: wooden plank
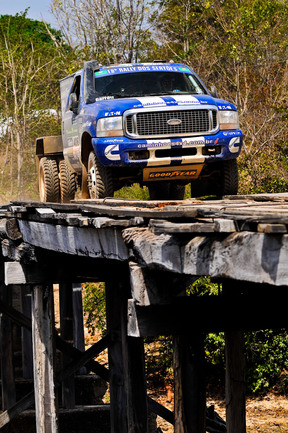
{"x": 19, "y": 407}
{"x": 43, "y": 353}
{"x": 189, "y": 383}
{"x": 163, "y": 226}
{"x": 272, "y": 228}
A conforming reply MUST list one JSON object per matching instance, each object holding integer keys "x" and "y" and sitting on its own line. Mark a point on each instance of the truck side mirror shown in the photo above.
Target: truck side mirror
{"x": 214, "y": 92}
{"x": 73, "y": 103}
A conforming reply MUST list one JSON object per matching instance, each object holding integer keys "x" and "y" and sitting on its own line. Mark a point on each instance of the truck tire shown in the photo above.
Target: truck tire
{"x": 49, "y": 186}
{"x": 166, "y": 191}
{"x": 229, "y": 178}
{"x": 100, "y": 181}
{"x": 67, "y": 182}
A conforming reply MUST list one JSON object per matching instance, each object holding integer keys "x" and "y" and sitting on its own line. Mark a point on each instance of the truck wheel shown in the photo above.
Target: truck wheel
{"x": 49, "y": 188}
{"x": 177, "y": 191}
{"x": 67, "y": 182}
{"x": 100, "y": 181}
{"x": 166, "y": 191}
{"x": 229, "y": 178}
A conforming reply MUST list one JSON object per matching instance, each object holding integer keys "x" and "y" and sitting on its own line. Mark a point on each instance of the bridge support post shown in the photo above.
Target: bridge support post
{"x": 43, "y": 354}
{"x": 7, "y": 364}
{"x": 67, "y": 333}
{"x": 128, "y": 399}
{"x": 189, "y": 396}
{"x": 235, "y": 385}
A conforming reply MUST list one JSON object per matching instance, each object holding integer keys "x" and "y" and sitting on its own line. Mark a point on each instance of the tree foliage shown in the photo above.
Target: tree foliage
{"x": 31, "y": 55}
{"x": 241, "y": 46}
{"x": 111, "y": 31}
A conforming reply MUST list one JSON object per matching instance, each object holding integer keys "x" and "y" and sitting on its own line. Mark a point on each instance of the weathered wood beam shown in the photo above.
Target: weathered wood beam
{"x": 243, "y": 256}
{"x": 86, "y": 241}
{"x": 43, "y": 353}
{"x": 150, "y": 287}
{"x": 68, "y": 269}
{"x": 208, "y": 313}
{"x": 9, "y": 228}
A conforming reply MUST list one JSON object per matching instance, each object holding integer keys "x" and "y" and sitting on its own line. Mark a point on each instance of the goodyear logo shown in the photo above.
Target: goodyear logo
{"x": 170, "y": 174}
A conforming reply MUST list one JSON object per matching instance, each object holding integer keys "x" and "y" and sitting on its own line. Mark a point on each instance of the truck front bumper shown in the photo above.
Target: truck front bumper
{"x": 124, "y": 152}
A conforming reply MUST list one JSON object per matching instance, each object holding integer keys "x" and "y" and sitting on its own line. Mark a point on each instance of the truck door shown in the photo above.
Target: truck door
{"x": 71, "y": 122}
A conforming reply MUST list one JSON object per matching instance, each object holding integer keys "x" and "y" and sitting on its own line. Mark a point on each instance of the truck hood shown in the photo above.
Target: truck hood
{"x": 116, "y": 107}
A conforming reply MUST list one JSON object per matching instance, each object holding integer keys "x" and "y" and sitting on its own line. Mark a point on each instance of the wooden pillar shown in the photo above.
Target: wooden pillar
{"x": 128, "y": 399}
{"x": 43, "y": 353}
{"x": 7, "y": 364}
{"x": 235, "y": 385}
{"x": 79, "y": 338}
{"x": 27, "y": 351}
{"x": 67, "y": 333}
{"x": 189, "y": 393}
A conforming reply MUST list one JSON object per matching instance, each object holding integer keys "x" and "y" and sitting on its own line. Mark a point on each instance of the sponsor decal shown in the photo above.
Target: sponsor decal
{"x": 124, "y": 69}
{"x": 171, "y": 173}
{"x": 234, "y": 144}
{"x": 185, "y": 99}
{"x": 224, "y": 107}
{"x": 232, "y": 133}
{"x": 112, "y": 113}
{"x": 164, "y": 173}
{"x": 112, "y": 152}
{"x": 151, "y": 102}
{"x": 104, "y": 98}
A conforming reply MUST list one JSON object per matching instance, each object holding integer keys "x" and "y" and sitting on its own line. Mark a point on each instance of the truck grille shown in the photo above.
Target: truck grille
{"x": 162, "y": 123}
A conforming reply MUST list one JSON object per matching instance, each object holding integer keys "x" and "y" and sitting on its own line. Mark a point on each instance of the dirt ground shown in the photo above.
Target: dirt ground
{"x": 264, "y": 415}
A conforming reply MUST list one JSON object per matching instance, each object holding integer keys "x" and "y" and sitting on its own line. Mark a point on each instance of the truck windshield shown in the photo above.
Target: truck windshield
{"x": 147, "y": 84}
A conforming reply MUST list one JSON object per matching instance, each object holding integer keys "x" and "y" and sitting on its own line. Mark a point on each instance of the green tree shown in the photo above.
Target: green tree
{"x": 241, "y": 46}
{"x": 30, "y": 61}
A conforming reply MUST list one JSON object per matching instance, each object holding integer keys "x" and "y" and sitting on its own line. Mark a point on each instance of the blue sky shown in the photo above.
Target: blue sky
{"x": 39, "y": 9}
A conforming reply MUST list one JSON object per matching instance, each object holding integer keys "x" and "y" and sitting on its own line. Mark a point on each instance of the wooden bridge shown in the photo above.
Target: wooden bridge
{"x": 147, "y": 253}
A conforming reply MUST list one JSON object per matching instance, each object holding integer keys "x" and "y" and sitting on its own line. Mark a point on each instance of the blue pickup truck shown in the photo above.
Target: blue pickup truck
{"x": 152, "y": 123}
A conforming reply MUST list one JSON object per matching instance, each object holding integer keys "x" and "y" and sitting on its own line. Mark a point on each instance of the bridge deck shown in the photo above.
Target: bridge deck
{"x": 148, "y": 253}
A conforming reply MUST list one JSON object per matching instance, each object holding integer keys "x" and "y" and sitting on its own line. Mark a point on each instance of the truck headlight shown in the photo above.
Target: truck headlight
{"x": 228, "y": 119}
{"x": 110, "y": 127}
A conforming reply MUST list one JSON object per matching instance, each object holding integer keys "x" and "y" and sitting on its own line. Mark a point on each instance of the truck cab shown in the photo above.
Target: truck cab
{"x": 152, "y": 123}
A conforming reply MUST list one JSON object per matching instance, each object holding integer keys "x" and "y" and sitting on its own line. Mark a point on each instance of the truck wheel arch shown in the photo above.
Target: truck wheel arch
{"x": 86, "y": 148}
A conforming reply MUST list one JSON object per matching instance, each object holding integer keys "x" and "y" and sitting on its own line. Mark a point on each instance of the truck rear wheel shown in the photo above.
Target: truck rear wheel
{"x": 166, "y": 191}
{"x": 100, "y": 181}
{"x": 49, "y": 187}
{"x": 67, "y": 182}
